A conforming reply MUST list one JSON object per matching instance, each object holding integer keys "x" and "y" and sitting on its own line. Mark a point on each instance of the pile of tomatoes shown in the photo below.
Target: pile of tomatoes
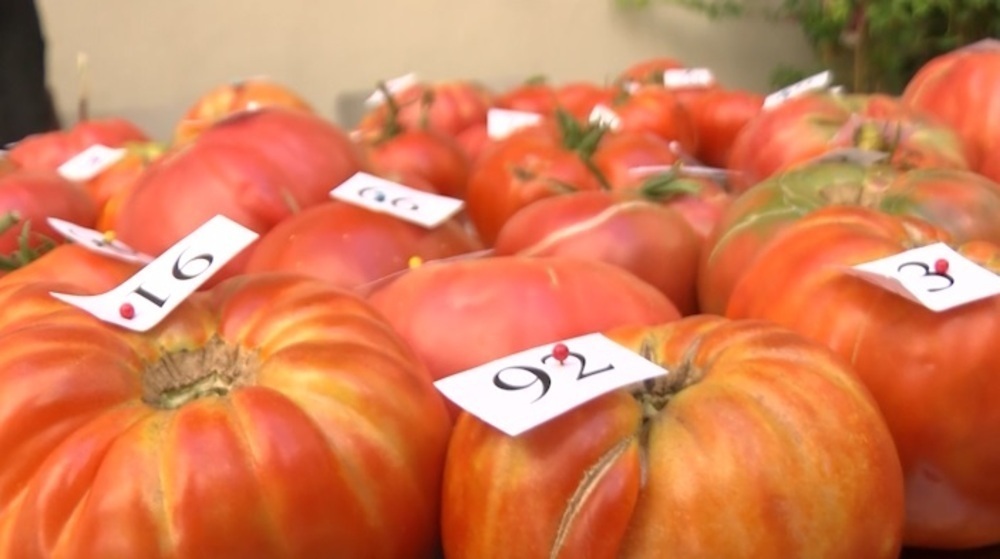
{"x": 288, "y": 407}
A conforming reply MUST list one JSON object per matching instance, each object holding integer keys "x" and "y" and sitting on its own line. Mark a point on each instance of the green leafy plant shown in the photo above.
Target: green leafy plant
{"x": 872, "y": 45}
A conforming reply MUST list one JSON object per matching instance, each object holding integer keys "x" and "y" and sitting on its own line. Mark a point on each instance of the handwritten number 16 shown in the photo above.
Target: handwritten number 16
{"x": 541, "y": 377}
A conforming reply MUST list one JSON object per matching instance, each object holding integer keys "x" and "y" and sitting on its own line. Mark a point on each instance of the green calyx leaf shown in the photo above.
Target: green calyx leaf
{"x": 25, "y": 253}
{"x": 668, "y": 184}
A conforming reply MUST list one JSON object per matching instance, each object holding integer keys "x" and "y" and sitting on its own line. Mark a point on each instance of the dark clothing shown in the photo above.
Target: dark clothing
{"x": 26, "y": 106}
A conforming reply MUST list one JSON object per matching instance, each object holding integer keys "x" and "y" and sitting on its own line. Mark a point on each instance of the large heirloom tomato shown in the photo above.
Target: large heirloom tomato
{"x": 959, "y": 88}
{"x": 274, "y": 417}
{"x": 757, "y": 444}
{"x": 962, "y": 202}
{"x": 718, "y": 116}
{"x": 650, "y": 240}
{"x": 934, "y": 374}
{"x": 256, "y": 168}
{"x": 463, "y": 313}
{"x": 806, "y": 127}
{"x": 226, "y": 99}
{"x": 447, "y": 107}
{"x": 74, "y": 263}
{"x": 350, "y": 246}
{"x": 48, "y": 150}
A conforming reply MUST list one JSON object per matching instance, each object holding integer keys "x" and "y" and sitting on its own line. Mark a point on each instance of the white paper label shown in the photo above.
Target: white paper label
{"x": 90, "y": 162}
{"x": 605, "y": 116}
{"x": 145, "y": 299}
{"x": 679, "y": 78}
{"x": 935, "y": 276}
{"x": 409, "y": 204}
{"x": 98, "y": 242}
{"x": 819, "y": 81}
{"x": 501, "y": 123}
{"x": 859, "y": 156}
{"x": 394, "y": 86}
{"x": 524, "y": 390}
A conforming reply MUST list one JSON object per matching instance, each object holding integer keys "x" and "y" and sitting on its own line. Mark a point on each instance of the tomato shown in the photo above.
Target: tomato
{"x": 350, "y": 246}
{"x": 579, "y": 98}
{"x": 256, "y": 167}
{"x": 732, "y": 454}
{"x": 658, "y": 111}
{"x": 473, "y": 141}
{"x": 226, "y": 99}
{"x": 110, "y": 186}
{"x": 27, "y": 199}
{"x": 932, "y": 373}
{"x": 619, "y": 153}
{"x": 433, "y": 156}
{"x": 447, "y": 107}
{"x": 806, "y": 127}
{"x": 459, "y": 314}
{"x": 533, "y": 96}
{"x": 702, "y": 201}
{"x": 531, "y": 164}
{"x": 718, "y": 116}
{"x": 48, "y": 150}
{"x": 274, "y": 416}
{"x": 650, "y": 70}
{"x": 650, "y": 240}
{"x": 958, "y": 89}
{"x": 962, "y": 202}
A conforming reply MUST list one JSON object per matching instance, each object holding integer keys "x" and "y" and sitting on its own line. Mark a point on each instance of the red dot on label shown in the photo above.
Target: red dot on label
{"x": 127, "y": 311}
{"x": 941, "y": 266}
{"x": 560, "y": 352}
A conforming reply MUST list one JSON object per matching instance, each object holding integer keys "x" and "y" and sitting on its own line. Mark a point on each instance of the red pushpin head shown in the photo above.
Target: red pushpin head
{"x": 941, "y": 266}
{"x": 127, "y": 311}
{"x": 560, "y": 352}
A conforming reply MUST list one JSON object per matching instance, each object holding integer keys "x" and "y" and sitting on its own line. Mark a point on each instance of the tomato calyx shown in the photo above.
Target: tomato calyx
{"x": 668, "y": 184}
{"x": 655, "y": 394}
{"x": 25, "y": 253}
{"x": 184, "y": 375}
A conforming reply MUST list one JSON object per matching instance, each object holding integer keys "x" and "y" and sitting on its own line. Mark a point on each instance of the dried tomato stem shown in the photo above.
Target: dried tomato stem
{"x": 184, "y": 375}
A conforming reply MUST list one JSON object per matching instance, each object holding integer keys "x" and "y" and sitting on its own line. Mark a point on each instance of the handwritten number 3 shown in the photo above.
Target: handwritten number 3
{"x": 541, "y": 377}
{"x": 929, "y": 272}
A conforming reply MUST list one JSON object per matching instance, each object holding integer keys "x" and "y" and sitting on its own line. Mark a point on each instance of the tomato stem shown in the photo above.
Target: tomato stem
{"x": 25, "y": 252}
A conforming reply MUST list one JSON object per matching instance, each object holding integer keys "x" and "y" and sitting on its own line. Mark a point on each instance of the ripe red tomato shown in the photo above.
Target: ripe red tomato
{"x": 650, "y": 70}
{"x": 227, "y": 99}
{"x": 447, "y": 107}
{"x": 48, "y": 150}
{"x": 718, "y": 116}
{"x": 580, "y": 97}
{"x": 958, "y": 89}
{"x": 274, "y": 416}
{"x": 702, "y": 201}
{"x": 463, "y": 313}
{"x": 619, "y": 153}
{"x": 72, "y": 263}
{"x": 533, "y": 96}
{"x": 658, "y": 111}
{"x": 531, "y": 164}
{"x": 732, "y": 454}
{"x": 806, "y": 127}
{"x": 932, "y": 373}
{"x": 111, "y": 185}
{"x": 436, "y": 158}
{"x": 645, "y": 238}
{"x": 349, "y": 246}
{"x": 256, "y": 168}
{"x": 963, "y": 203}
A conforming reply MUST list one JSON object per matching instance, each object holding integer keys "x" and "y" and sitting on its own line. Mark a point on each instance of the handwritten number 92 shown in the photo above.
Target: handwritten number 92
{"x": 541, "y": 377}
{"x": 928, "y": 272}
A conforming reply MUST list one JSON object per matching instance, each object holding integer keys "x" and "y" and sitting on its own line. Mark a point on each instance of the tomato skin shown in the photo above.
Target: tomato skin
{"x": 658, "y": 111}
{"x": 464, "y": 313}
{"x": 961, "y": 202}
{"x": 48, "y": 150}
{"x": 35, "y": 195}
{"x": 225, "y": 100}
{"x": 806, "y": 127}
{"x": 936, "y": 395}
{"x": 451, "y": 106}
{"x": 256, "y": 168}
{"x": 349, "y": 246}
{"x": 718, "y": 116}
{"x": 652, "y": 241}
{"x": 957, "y": 89}
{"x": 742, "y": 461}
{"x": 291, "y": 462}
{"x": 619, "y": 153}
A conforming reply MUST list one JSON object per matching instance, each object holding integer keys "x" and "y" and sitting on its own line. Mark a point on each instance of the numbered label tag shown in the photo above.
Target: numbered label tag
{"x": 526, "y": 389}
{"x": 145, "y": 299}
{"x": 90, "y": 162}
{"x": 934, "y": 276}
{"x": 409, "y": 204}
{"x": 606, "y": 117}
{"x": 395, "y": 85}
{"x": 819, "y": 81}
{"x": 501, "y": 123}
{"x": 98, "y": 242}
{"x": 859, "y": 156}
{"x": 682, "y": 78}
